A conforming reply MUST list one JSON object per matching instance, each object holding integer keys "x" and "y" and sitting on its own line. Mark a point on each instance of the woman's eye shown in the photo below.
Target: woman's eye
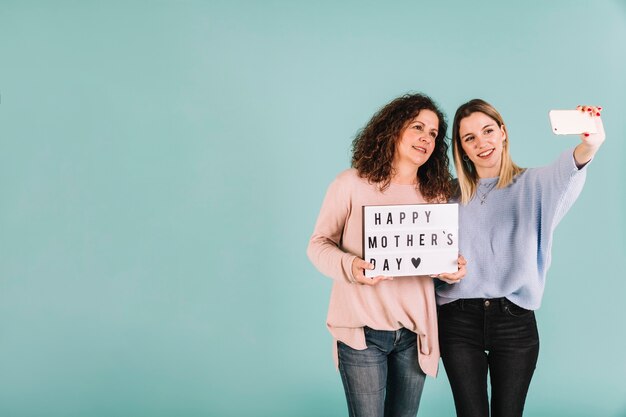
{"x": 433, "y": 135}
{"x": 419, "y": 127}
{"x": 469, "y": 138}
{"x": 488, "y": 131}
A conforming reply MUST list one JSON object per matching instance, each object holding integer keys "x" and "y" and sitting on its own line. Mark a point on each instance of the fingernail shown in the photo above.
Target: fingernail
{"x": 598, "y": 114}
{"x": 588, "y": 109}
{"x": 600, "y": 108}
{"x": 586, "y": 134}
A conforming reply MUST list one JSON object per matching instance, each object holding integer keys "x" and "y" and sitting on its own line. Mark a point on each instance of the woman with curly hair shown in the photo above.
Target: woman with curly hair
{"x": 384, "y": 329}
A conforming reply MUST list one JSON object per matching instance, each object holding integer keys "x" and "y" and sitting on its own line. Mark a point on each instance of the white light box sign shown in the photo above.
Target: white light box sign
{"x": 411, "y": 239}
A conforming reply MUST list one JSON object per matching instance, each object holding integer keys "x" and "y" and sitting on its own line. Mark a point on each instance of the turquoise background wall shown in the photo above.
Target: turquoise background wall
{"x": 162, "y": 164}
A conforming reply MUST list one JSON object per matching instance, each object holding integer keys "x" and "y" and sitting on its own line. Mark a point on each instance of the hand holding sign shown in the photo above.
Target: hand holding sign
{"x": 454, "y": 277}
{"x": 358, "y": 268}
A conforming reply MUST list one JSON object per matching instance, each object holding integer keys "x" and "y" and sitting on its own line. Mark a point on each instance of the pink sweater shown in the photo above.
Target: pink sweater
{"x": 404, "y": 302}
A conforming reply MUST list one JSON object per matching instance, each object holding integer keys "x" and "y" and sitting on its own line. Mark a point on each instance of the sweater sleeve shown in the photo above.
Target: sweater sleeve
{"x": 562, "y": 182}
{"x": 574, "y": 184}
{"x": 324, "y": 248}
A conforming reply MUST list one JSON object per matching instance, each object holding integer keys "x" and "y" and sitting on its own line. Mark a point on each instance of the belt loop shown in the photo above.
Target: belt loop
{"x": 503, "y": 305}
{"x": 462, "y": 304}
{"x": 396, "y": 336}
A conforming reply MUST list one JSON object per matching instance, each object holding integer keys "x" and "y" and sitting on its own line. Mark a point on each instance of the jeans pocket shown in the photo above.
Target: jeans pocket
{"x": 514, "y": 310}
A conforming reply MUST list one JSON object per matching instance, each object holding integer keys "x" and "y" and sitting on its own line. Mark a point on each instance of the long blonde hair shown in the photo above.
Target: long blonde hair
{"x": 465, "y": 169}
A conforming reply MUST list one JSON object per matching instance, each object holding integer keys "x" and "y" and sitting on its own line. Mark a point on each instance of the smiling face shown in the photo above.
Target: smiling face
{"x": 482, "y": 140}
{"x": 417, "y": 140}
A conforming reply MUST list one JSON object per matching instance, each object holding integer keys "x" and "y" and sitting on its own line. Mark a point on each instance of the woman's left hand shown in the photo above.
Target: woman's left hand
{"x": 454, "y": 277}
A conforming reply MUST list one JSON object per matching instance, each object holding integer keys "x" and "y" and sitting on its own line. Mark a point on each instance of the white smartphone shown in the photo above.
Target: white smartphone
{"x": 571, "y": 122}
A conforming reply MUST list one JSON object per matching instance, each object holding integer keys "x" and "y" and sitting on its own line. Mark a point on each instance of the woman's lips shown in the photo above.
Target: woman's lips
{"x": 486, "y": 154}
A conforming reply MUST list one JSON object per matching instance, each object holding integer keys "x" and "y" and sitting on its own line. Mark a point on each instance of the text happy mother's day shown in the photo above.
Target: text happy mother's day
{"x": 410, "y": 239}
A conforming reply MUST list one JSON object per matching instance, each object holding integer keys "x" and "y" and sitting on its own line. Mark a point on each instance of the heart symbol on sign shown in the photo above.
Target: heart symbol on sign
{"x": 416, "y": 261}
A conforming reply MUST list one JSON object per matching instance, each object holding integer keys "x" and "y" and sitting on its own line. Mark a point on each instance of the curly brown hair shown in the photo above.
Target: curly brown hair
{"x": 374, "y": 147}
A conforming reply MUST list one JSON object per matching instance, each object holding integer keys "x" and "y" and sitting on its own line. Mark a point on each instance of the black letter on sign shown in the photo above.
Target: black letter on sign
{"x": 386, "y": 265}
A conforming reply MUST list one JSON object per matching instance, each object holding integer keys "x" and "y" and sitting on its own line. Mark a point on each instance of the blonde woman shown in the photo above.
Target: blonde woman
{"x": 507, "y": 217}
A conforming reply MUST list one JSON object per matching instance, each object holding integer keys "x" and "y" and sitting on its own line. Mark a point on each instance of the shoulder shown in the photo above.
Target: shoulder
{"x": 350, "y": 174}
{"x": 345, "y": 182}
{"x": 350, "y": 178}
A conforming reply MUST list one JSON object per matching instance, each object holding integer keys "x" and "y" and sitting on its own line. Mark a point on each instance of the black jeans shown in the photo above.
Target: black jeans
{"x": 495, "y": 335}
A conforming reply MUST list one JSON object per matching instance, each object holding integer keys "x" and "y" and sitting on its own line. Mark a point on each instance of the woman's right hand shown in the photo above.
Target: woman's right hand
{"x": 590, "y": 142}
{"x": 358, "y": 272}
{"x": 454, "y": 277}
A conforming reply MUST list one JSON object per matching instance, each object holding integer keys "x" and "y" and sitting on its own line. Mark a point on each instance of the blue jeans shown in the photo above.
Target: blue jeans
{"x": 384, "y": 380}
{"x": 494, "y": 335}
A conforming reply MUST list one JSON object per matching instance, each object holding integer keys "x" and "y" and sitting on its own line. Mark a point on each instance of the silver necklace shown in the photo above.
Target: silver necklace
{"x": 482, "y": 195}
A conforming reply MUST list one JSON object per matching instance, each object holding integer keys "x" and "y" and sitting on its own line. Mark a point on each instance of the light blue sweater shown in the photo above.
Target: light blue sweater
{"x": 507, "y": 240}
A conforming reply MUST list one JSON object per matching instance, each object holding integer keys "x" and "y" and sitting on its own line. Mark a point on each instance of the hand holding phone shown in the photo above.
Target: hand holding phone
{"x": 571, "y": 122}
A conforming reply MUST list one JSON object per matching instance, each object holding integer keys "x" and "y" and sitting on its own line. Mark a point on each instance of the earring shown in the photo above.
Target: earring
{"x": 466, "y": 158}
